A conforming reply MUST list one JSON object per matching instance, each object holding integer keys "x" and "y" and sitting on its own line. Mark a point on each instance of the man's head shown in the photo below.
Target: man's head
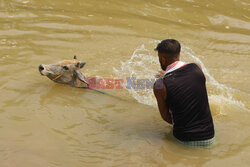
{"x": 168, "y": 52}
{"x": 65, "y": 72}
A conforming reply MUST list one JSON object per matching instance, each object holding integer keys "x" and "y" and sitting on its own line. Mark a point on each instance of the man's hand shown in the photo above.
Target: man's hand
{"x": 160, "y": 74}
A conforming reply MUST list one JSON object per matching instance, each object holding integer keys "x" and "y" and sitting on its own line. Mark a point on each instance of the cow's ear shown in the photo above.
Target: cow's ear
{"x": 80, "y": 76}
{"x": 80, "y": 64}
{"x": 75, "y": 57}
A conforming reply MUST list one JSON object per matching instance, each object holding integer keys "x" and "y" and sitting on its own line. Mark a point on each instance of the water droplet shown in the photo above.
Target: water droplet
{"x": 25, "y": 2}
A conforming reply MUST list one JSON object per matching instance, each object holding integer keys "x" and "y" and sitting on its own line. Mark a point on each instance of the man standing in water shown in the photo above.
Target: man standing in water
{"x": 182, "y": 97}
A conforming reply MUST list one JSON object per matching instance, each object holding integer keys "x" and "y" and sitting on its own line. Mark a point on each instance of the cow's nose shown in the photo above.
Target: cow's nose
{"x": 41, "y": 68}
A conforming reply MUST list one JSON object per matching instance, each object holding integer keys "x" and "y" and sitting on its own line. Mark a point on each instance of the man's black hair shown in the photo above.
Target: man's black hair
{"x": 169, "y": 46}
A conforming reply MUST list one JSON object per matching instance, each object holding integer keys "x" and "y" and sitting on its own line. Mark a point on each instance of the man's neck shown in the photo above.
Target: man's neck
{"x": 172, "y": 61}
{"x": 174, "y": 66}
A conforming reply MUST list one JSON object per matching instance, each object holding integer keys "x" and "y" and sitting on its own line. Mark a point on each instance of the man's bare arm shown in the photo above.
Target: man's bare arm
{"x": 161, "y": 95}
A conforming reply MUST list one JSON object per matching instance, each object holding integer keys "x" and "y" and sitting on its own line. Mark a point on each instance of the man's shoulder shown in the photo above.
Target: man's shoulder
{"x": 159, "y": 87}
{"x": 198, "y": 65}
{"x": 159, "y": 84}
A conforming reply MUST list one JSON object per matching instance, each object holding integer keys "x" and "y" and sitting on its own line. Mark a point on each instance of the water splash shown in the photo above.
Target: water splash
{"x": 141, "y": 65}
{"x": 222, "y": 96}
{"x": 144, "y": 64}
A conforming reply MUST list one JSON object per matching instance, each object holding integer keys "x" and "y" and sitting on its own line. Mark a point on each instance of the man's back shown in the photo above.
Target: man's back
{"x": 187, "y": 99}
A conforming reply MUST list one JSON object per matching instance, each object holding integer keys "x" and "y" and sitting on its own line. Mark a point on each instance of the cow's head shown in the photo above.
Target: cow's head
{"x": 65, "y": 72}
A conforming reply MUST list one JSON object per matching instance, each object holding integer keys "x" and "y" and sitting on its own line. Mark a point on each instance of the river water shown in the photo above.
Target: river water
{"x": 47, "y": 124}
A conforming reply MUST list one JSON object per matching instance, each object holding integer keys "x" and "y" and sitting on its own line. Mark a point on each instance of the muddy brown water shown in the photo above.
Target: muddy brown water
{"x": 47, "y": 124}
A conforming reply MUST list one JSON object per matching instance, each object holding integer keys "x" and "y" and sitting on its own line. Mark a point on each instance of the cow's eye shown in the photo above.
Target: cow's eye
{"x": 65, "y": 68}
